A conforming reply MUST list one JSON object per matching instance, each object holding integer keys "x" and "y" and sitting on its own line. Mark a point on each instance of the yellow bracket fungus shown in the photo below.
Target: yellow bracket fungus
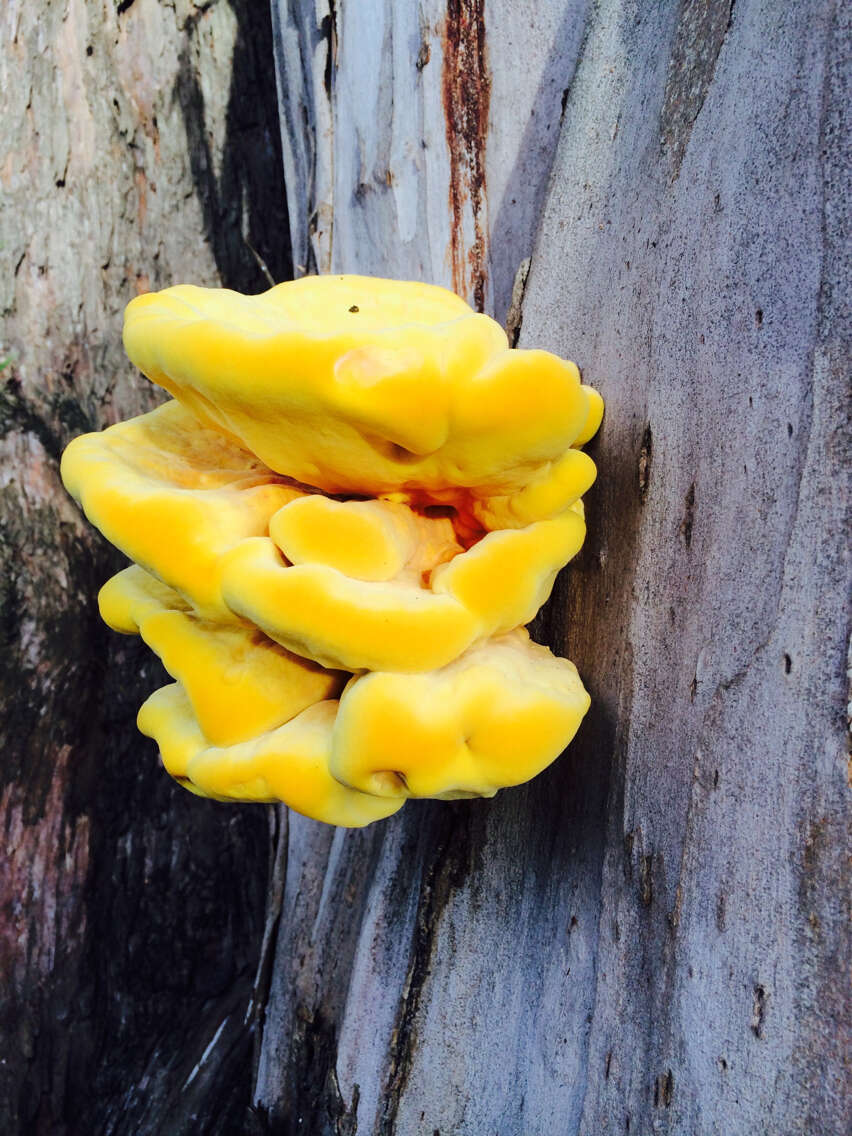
{"x": 496, "y": 716}
{"x": 416, "y": 621}
{"x": 339, "y": 528}
{"x": 357, "y": 385}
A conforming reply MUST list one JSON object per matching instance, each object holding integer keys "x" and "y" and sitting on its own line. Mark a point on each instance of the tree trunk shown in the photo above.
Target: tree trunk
{"x": 652, "y": 936}
{"x": 139, "y": 147}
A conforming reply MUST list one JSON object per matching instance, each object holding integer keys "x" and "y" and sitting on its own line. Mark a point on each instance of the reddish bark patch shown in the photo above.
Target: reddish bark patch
{"x": 42, "y": 914}
{"x": 466, "y": 94}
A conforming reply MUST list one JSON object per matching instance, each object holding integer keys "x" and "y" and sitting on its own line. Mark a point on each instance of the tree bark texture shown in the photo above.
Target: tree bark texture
{"x": 139, "y": 146}
{"x": 650, "y": 937}
{"x": 653, "y": 935}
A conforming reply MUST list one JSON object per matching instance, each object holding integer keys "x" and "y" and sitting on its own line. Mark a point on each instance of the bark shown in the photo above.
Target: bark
{"x": 653, "y": 935}
{"x": 139, "y": 147}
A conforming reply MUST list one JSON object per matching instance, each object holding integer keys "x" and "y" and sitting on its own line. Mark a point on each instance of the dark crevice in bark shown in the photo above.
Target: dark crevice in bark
{"x": 244, "y": 207}
{"x": 701, "y": 31}
{"x": 445, "y": 872}
{"x": 279, "y": 837}
{"x": 328, "y": 30}
{"x": 54, "y": 418}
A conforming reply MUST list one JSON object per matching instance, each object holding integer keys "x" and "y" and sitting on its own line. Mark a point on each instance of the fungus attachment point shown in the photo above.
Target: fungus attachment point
{"x": 339, "y": 528}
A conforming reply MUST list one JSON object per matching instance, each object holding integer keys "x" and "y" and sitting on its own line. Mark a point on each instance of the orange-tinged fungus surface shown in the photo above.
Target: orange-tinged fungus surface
{"x": 339, "y": 528}
{"x": 421, "y": 619}
{"x": 358, "y": 585}
{"x": 366, "y": 540}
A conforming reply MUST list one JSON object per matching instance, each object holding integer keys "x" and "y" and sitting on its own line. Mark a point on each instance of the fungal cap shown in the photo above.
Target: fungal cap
{"x": 435, "y": 608}
{"x": 129, "y": 597}
{"x": 361, "y": 385}
{"x": 238, "y": 682}
{"x": 594, "y": 419}
{"x": 496, "y": 716}
{"x": 173, "y": 496}
{"x": 315, "y": 610}
{"x": 365, "y": 540}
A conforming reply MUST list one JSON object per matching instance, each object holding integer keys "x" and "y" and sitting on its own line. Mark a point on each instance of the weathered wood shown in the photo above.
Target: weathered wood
{"x": 138, "y": 146}
{"x": 413, "y": 133}
{"x": 705, "y": 286}
{"x": 653, "y": 935}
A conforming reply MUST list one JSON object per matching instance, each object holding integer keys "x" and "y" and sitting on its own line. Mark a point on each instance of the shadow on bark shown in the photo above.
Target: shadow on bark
{"x": 245, "y": 207}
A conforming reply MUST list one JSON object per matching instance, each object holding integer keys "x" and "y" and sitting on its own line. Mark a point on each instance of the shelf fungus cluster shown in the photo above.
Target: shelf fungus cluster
{"x": 339, "y": 526}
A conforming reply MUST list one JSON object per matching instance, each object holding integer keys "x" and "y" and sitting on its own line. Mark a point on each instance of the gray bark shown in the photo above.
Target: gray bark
{"x": 415, "y": 133}
{"x": 137, "y": 148}
{"x": 653, "y": 935}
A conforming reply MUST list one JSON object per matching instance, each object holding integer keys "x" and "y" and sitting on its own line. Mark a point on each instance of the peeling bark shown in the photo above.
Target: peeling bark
{"x": 466, "y": 97}
{"x": 138, "y": 146}
{"x": 431, "y": 126}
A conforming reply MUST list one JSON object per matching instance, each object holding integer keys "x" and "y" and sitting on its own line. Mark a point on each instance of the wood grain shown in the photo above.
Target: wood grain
{"x": 653, "y": 935}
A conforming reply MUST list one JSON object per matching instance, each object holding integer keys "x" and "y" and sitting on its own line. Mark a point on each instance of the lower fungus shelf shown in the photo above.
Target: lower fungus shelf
{"x": 248, "y": 720}
{"x": 492, "y": 718}
{"x": 288, "y": 764}
{"x": 240, "y": 682}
